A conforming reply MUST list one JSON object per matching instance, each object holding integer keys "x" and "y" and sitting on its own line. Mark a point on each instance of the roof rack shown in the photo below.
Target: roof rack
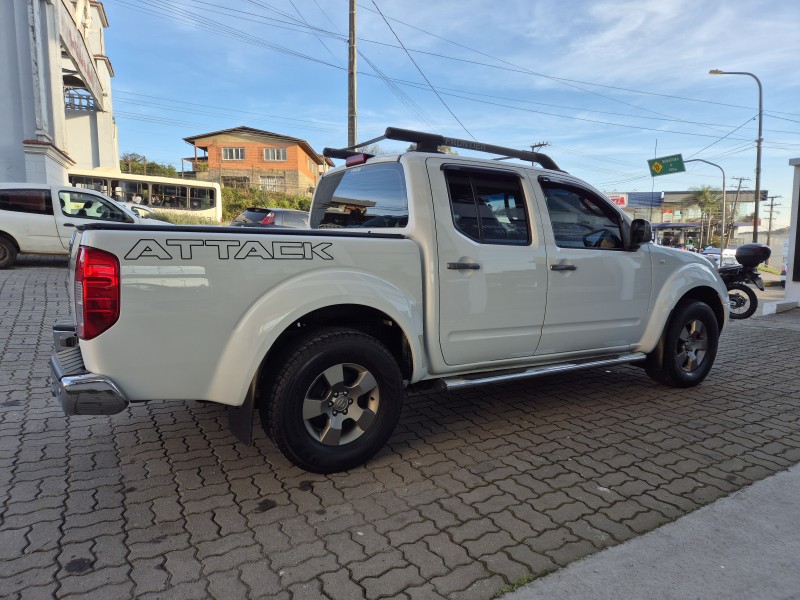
{"x": 430, "y": 142}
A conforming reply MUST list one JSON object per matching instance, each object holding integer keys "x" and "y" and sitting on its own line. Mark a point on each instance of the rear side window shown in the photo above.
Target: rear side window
{"x": 371, "y": 196}
{"x": 488, "y": 207}
{"x": 27, "y": 201}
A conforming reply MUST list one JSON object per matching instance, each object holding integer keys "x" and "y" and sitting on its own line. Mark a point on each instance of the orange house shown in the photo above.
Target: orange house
{"x": 244, "y": 157}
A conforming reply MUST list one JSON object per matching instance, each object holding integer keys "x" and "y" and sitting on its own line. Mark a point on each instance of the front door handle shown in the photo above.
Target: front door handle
{"x": 463, "y": 266}
{"x": 68, "y": 225}
{"x": 563, "y": 267}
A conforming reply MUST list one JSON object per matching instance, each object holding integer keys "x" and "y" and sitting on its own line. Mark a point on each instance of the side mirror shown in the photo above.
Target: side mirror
{"x": 641, "y": 233}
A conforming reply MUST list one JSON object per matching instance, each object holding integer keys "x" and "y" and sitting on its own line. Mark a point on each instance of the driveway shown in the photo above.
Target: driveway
{"x": 476, "y": 491}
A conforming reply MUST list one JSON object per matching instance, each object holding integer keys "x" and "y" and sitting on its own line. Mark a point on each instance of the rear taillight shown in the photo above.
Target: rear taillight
{"x": 269, "y": 219}
{"x": 96, "y": 291}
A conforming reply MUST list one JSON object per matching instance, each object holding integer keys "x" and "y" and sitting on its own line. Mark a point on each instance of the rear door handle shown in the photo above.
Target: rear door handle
{"x": 68, "y": 225}
{"x": 463, "y": 266}
{"x": 563, "y": 267}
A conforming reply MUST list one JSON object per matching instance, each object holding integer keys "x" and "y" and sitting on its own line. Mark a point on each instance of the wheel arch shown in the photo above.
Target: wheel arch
{"x": 10, "y": 238}
{"x": 692, "y": 282}
{"x": 366, "y": 319}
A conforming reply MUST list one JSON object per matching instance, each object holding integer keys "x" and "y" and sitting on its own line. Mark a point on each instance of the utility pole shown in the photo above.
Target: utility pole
{"x": 733, "y": 211}
{"x": 352, "y": 107}
{"x": 771, "y": 208}
{"x": 535, "y": 148}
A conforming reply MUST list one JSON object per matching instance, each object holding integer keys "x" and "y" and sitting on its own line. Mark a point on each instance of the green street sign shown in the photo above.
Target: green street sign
{"x": 666, "y": 165}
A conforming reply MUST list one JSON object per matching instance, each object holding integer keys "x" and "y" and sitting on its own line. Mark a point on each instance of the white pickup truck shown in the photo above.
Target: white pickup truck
{"x": 37, "y": 218}
{"x": 418, "y": 269}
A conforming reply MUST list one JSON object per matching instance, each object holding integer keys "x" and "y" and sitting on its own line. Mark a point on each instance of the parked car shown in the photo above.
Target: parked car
{"x": 271, "y": 217}
{"x": 37, "y": 218}
{"x": 728, "y": 256}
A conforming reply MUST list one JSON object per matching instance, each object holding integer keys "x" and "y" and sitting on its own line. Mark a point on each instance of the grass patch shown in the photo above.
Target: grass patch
{"x": 520, "y": 582}
{"x": 767, "y": 269}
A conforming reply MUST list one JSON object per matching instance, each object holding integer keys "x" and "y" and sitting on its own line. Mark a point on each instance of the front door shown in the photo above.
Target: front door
{"x": 599, "y": 293}
{"x": 492, "y": 280}
{"x": 83, "y": 208}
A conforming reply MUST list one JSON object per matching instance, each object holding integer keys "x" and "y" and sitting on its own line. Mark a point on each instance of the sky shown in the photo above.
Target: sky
{"x": 608, "y": 84}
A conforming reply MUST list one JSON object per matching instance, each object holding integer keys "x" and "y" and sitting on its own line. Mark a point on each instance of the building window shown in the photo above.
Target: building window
{"x": 241, "y": 183}
{"x": 233, "y": 154}
{"x": 272, "y": 183}
{"x": 275, "y": 154}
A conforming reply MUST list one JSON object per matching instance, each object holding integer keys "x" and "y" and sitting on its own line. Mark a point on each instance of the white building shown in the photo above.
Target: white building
{"x": 55, "y": 90}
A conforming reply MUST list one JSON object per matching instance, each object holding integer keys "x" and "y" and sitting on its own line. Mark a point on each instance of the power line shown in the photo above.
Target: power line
{"x": 250, "y": 39}
{"x": 420, "y": 71}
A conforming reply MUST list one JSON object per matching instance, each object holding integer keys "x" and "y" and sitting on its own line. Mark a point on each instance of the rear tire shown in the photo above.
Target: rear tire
{"x": 688, "y": 347}
{"x": 743, "y": 301}
{"x": 8, "y": 253}
{"x": 334, "y": 401}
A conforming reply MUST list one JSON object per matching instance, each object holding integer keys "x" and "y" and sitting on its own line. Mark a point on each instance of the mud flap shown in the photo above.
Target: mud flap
{"x": 240, "y": 418}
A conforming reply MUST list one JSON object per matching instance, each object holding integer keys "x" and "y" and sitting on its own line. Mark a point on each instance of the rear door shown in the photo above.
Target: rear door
{"x": 27, "y": 215}
{"x": 599, "y": 293}
{"x": 491, "y": 263}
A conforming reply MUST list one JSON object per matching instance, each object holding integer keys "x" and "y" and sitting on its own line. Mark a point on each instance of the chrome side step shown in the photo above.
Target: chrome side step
{"x": 462, "y": 382}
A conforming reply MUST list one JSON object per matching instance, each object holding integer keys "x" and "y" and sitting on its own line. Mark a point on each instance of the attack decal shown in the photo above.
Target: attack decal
{"x": 230, "y": 250}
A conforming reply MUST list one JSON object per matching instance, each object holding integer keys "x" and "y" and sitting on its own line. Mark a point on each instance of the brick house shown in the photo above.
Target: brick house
{"x": 244, "y": 157}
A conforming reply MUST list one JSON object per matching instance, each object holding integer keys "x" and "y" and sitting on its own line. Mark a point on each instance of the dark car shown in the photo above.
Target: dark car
{"x": 271, "y": 217}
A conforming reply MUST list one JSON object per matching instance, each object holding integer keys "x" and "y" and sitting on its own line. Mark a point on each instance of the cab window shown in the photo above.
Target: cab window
{"x": 580, "y": 218}
{"x": 87, "y": 206}
{"x": 488, "y": 207}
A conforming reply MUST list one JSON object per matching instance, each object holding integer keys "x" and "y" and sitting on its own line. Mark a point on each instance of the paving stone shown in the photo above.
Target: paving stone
{"x": 92, "y": 580}
{"x": 522, "y": 478}
{"x": 460, "y": 578}
{"x": 338, "y": 585}
{"x": 392, "y": 582}
{"x": 260, "y": 579}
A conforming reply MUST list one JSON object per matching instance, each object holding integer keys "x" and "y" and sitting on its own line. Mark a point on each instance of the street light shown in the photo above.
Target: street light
{"x": 758, "y": 143}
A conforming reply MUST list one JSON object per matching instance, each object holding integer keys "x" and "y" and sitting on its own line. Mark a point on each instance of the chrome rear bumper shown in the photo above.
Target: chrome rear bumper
{"x": 79, "y": 391}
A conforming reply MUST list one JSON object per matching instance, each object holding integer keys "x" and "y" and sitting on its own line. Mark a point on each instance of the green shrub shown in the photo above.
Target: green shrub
{"x": 176, "y": 218}
{"x": 234, "y": 201}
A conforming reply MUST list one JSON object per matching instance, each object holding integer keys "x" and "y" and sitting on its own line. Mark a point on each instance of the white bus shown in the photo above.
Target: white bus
{"x": 170, "y": 194}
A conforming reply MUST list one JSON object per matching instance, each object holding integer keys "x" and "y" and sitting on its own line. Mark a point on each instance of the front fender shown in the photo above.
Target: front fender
{"x": 286, "y": 303}
{"x": 691, "y": 278}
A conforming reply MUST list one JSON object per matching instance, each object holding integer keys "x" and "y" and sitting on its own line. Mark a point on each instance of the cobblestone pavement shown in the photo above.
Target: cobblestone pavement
{"x": 476, "y": 490}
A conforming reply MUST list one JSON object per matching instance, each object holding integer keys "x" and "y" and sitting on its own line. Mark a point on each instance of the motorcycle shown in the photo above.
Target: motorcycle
{"x": 743, "y": 300}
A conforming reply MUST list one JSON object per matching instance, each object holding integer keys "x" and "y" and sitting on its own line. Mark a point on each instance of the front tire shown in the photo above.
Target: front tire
{"x": 743, "y": 301}
{"x": 688, "y": 347}
{"x": 334, "y": 401}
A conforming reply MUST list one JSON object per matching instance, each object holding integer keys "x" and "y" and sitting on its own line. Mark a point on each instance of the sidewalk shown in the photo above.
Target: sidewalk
{"x": 741, "y": 547}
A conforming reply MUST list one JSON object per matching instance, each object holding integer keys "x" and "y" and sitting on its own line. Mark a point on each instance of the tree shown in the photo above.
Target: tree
{"x": 709, "y": 201}
{"x": 131, "y": 162}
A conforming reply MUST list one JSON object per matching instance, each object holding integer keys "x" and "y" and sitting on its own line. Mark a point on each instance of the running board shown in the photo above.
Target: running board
{"x": 460, "y": 383}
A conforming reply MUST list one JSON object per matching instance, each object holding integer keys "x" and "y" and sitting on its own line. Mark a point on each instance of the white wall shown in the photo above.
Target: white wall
{"x": 17, "y": 121}
{"x": 793, "y": 287}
